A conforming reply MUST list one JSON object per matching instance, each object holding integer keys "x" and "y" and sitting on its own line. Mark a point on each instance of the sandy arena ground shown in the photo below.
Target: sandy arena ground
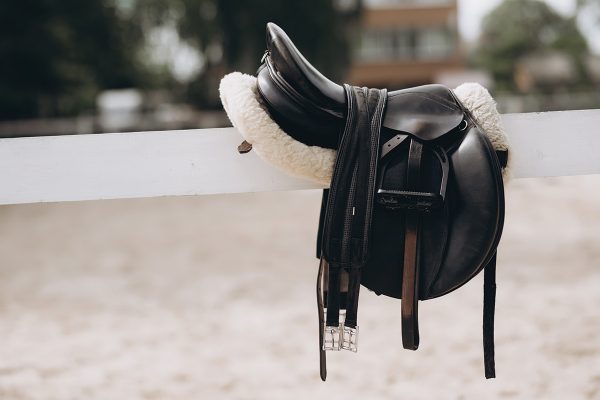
{"x": 213, "y": 298}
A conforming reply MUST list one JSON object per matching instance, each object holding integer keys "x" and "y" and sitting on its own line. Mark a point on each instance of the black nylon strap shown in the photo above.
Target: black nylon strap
{"x": 489, "y": 305}
{"x": 337, "y": 210}
{"x": 347, "y": 224}
{"x": 333, "y": 295}
{"x": 350, "y": 202}
{"x": 369, "y": 130}
{"x": 353, "y": 292}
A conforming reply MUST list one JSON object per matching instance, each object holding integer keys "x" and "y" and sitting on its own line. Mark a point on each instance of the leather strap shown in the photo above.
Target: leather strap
{"x": 333, "y": 295}
{"x": 321, "y": 311}
{"x": 489, "y": 305}
{"x": 410, "y": 278}
{"x": 352, "y": 302}
{"x": 321, "y": 221}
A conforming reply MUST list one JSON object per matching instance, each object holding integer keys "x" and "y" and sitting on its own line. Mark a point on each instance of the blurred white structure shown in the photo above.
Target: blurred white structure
{"x": 120, "y": 109}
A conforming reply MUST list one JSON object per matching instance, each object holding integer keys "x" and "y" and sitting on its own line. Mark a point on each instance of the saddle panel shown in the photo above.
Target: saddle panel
{"x": 458, "y": 239}
{"x": 478, "y": 212}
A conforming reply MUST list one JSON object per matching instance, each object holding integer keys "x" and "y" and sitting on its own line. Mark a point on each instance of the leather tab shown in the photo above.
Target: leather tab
{"x": 392, "y": 144}
{"x": 244, "y": 147}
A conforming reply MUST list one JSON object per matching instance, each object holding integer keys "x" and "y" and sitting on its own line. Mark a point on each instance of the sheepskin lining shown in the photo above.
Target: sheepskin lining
{"x": 241, "y": 100}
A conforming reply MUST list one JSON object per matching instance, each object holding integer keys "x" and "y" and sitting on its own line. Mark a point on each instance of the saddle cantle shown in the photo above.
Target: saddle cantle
{"x": 415, "y": 207}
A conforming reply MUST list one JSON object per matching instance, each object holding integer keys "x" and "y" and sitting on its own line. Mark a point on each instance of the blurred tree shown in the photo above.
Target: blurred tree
{"x": 519, "y": 28}
{"x": 55, "y": 55}
{"x": 230, "y": 34}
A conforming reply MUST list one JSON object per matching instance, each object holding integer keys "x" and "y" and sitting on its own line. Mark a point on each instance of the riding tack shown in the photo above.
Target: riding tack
{"x": 415, "y": 205}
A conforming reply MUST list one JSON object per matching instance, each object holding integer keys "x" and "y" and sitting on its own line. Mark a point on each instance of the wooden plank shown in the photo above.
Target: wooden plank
{"x": 205, "y": 161}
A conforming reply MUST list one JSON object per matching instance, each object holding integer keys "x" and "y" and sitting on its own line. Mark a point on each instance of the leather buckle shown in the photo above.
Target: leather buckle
{"x": 349, "y": 338}
{"x": 331, "y": 338}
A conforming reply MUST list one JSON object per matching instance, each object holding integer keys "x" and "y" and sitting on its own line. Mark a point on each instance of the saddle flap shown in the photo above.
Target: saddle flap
{"x": 426, "y": 112}
{"x": 459, "y": 236}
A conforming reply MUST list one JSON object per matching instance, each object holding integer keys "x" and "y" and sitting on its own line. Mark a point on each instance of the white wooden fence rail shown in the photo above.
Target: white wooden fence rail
{"x": 205, "y": 161}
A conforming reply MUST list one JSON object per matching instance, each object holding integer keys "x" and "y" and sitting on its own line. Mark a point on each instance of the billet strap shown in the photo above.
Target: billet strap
{"x": 410, "y": 278}
{"x": 489, "y": 305}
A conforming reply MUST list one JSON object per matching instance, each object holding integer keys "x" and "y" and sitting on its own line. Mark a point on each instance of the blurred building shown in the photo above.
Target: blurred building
{"x": 550, "y": 69}
{"x": 406, "y": 43}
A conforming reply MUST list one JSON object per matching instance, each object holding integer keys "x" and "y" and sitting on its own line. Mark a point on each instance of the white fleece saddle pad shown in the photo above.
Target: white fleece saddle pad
{"x": 241, "y": 100}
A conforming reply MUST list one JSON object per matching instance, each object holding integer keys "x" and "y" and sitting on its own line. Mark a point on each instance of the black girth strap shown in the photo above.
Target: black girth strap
{"x": 346, "y": 227}
{"x": 410, "y": 276}
{"x": 489, "y": 302}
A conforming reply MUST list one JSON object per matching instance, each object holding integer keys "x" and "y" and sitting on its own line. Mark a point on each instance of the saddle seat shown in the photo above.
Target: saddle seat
{"x": 425, "y": 112}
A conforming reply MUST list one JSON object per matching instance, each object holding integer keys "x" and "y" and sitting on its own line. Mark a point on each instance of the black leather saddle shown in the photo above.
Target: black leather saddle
{"x": 415, "y": 208}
